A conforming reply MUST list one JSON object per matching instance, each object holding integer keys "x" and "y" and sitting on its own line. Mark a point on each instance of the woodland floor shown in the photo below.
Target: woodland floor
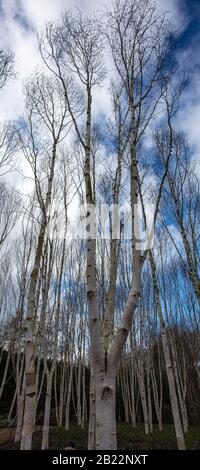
{"x": 128, "y": 438}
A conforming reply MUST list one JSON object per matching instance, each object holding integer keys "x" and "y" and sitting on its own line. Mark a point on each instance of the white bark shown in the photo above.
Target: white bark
{"x": 106, "y": 437}
{"x": 69, "y": 391}
{"x": 168, "y": 364}
{"x": 45, "y": 433}
{"x": 143, "y": 395}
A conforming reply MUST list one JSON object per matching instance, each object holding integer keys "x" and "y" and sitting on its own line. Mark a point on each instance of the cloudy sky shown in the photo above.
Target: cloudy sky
{"x": 18, "y": 18}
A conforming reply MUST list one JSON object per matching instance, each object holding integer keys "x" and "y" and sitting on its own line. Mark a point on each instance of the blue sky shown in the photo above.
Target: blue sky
{"x": 191, "y": 31}
{"x": 17, "y": 17}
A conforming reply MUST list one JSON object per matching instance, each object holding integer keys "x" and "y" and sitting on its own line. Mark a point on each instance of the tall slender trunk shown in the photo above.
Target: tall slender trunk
{"x": 92, "y": 412}
{"x": 84, "y": 415}
{"x": 62, "y": 386}
{"x": 168, "y": 364}
{"x": 157, "y": 402}
{"x": 39, "y": 391}
{"x": 132, "y": 385}
{"x": 30, "y": 390}
{"x": 45, "y": 433}
{"x": 12, "y": 405}
{"x": 181, "y": 390}
{"x": 20, "y": 412}
{"x": 149, "y": 402}
{"x": 143, "y": 397}
{"x": 79, "y": 421}
{"x": 30, "y": 385}
{"x": 69, "y": 391}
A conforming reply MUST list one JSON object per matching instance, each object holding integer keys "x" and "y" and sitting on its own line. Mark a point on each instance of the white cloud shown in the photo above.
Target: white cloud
{"x": 40, "y": 11}
{"x": 189, "y": 115}
{"x": 18, "y": 17}
{"x": 175, "y": 11}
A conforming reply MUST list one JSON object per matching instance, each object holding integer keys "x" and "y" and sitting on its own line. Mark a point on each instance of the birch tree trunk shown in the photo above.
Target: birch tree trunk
{"x": 69, "y": 391}
{"x": 157, "y": 403}
{"x": 106, "y": 436}
{"x": 143, "y": 397}
{"x": 20, "y": 412}
{"x": 92, "y": 411}
{"x": 45, "y": 433}
{"x": 30, "y": 391}
{"x": 168, "y": 364}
